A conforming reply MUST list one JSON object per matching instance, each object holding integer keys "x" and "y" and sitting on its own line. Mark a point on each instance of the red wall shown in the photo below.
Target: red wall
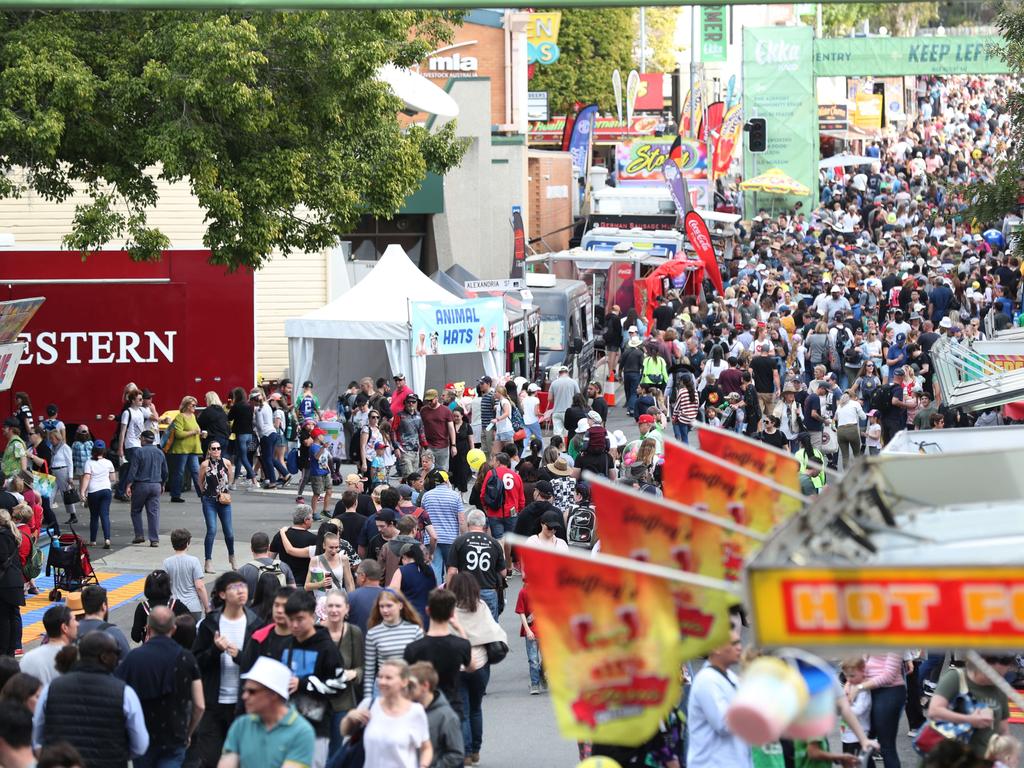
{"x": 201, "y": 314}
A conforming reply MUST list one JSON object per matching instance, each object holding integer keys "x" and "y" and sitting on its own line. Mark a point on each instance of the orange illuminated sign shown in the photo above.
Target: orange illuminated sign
{"x": 888, "y": 607}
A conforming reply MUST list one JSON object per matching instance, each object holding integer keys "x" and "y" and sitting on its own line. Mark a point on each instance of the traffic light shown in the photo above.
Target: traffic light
{"x": 758, "y": 141}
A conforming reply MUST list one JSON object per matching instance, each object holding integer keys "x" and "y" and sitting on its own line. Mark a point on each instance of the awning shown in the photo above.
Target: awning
{"x": 970, "y": 381}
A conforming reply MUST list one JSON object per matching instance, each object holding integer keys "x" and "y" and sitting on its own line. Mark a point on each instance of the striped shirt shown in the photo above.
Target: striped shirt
{"x": 685, "y": 410}
{"x": 884, "y": 670}
{"x": 383, "y": 643}
{"x": 443, "y": 504}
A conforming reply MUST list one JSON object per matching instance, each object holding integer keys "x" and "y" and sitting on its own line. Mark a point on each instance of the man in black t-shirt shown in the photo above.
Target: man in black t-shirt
{"x": 346, "y": 512}
{"x": 166, "y": 679}
{"x": 765, "y": 371}
{"x": 364, "y": 504}
{"x": 448, "y": 652}
{"x": 299, "y": 536}
{"x": 480, "y": 555}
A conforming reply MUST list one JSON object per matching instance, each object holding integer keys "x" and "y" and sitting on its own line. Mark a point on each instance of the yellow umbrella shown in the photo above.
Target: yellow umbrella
{"x": 775, "y": 182}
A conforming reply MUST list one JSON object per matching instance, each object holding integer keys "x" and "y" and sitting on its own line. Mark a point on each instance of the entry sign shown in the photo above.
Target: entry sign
{"x": 508, "y": 284}
{"x": 952, "y": 607}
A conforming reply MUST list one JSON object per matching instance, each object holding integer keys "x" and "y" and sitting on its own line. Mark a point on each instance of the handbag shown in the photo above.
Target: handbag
{"x": 497, "y": 650}
{"x": 71, "y": 496}
{"x": 170, "y": 439}
{"x": 934, "y": 732}
{"x": 829, "y": 439}
{"x": 44, "y": 483}
{"x": 223, "y": 497}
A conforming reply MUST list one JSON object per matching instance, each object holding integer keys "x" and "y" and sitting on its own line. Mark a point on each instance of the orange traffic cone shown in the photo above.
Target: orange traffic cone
{"x": 609, "y": 390}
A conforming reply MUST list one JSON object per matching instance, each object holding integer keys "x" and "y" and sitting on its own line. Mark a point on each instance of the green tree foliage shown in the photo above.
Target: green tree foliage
{"x": 592, "y": 44}
{"x": 901, "y": 19}
{"x": 991, "y": 201}
{"x": 274, "y": 120}
{"x": 662, "y": 52}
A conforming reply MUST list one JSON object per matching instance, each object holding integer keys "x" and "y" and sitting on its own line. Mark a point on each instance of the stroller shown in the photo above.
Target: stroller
{"x": 70, "y": 563}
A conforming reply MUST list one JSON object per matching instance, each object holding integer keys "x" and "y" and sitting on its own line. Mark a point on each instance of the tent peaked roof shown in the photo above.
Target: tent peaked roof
{"x": 377, "y": 307}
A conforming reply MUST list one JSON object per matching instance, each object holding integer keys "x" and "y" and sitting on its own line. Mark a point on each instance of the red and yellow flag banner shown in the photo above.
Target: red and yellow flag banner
{"x": 754, "y": 456}
{"x": 609, "y": 639}
{"x": 717, "y": 486}
{"x": 643, "y": 527}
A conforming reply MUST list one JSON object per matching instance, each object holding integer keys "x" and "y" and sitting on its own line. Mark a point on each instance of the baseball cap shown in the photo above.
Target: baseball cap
{"x": 484, "y": 380}
{"x": 354, "y": 478}
{"x": 275, "y": 396}
{"x": 405, "y": 491}
{"x": 533, "y": 388}
{"x": 439, "y": 475}
{"x": 82, "y": 429}
{"x": 387, "y": 516}
{"x": 399, "y": 377}
{"x": 272, "y": 674}
{"x": 147, "y": 393}
{"x": 645, "y": 419}
{"x": 99, "y": 444}
{"x": 544, "y": 487}
{"x": 551, "y": 519}
{"x": 376, "y": 446}
{"x": 430, "y": 394}
{"x": 317, "y": 432}
{"x": 307, "y": 384}
{"x": 147, "y": 434}
{"x": 595, "y": 417}
{"x": 563, "y": 368}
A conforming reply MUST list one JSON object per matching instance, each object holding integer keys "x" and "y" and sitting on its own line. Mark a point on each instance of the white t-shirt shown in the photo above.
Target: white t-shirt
{"x": 556, "y": 543}
{"x": 99, "y": 474}
{"x": 135, "y": 418}
{"x": 39, "y": 662}
{"x": 393, "y": 742}
{"x": 530, "y": 404}
{"x": 233, "y": 630}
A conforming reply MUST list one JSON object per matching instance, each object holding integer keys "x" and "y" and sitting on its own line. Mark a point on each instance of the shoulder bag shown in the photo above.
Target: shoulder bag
{"x": 934, "y": 732}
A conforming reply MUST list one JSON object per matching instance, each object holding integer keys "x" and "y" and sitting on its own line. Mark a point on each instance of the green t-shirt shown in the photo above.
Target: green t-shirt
{"x": 768, "y": 756}
{"x": 802, "y": 760}
{"x": 290, "y": 740}
{"x": 985, "y": 696}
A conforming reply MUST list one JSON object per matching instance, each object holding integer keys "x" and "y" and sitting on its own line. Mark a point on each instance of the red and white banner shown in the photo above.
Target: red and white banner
{"x": 700, "y": 238}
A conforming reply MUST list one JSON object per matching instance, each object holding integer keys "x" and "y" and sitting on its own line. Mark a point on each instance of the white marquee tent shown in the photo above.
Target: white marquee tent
{"x": 342, "y": 340}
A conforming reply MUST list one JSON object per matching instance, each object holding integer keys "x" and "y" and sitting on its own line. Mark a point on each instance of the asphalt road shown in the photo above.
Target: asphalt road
{"x": 518, "y": 728}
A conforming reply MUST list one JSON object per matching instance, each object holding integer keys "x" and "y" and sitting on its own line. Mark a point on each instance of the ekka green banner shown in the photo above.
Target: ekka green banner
{"x": 778, "y": 85}
{"x": 713, "y": 43}
{"x": 894, "y": 56}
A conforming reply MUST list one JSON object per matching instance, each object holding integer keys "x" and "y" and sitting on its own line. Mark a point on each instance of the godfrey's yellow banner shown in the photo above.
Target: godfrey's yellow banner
{"x": 781, "y": 468}
{"x": 609, "y": 639}
{"x": 643, "y": 527}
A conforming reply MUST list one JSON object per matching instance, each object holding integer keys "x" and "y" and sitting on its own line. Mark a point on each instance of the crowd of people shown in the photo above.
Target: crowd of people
{"x": 364, "y": 632}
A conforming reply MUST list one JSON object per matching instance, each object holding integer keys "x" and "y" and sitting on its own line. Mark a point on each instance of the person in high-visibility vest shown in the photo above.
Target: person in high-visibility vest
{"x": 812, "y": 475}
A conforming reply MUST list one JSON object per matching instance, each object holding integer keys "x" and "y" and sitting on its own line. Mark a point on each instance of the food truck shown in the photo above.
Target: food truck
{"x": 566, "y": 324}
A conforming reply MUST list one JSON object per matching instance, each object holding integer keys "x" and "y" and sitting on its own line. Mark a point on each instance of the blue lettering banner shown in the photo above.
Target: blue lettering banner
{"x": 474, "y": 325}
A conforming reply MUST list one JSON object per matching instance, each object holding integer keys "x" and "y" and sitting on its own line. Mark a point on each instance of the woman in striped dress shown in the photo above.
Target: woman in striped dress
{"x": 392, "y": 625}
{"x": 685, "y": 409}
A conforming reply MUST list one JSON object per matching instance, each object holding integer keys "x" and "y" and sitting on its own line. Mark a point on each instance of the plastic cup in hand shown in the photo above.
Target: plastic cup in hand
{"x": 770, "y": 696}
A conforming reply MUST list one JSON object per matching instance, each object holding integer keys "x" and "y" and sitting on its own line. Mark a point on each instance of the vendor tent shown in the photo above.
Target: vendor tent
{"x": 342, "y": 340}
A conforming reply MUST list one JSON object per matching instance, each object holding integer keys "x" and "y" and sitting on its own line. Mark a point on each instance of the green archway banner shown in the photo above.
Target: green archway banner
{"x": 895, "y": 56}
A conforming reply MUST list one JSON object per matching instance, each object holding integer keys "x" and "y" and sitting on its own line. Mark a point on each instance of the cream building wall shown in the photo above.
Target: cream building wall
{"x": 285, "y": 287}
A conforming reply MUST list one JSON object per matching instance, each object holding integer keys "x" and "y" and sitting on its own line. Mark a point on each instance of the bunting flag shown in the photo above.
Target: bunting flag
{"x": 610, "y": 643}
{"x": 778, "y": 466}
{"x": 723, "y": 489}
{"x": 686, "y": 128}
{"x": 643, "y": 527}
{"x": 728, "y": 139}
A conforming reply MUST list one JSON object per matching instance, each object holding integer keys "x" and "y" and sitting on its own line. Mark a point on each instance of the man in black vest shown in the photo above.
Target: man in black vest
{"x": 98, "y": 714}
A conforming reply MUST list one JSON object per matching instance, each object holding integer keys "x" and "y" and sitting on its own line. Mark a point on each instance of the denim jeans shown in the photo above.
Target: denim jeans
{"x": 474, "y": 686}
{"x": 178, "y": 465}
{"x": 335, "y": 732}
{"x": 682, "y": 432}
{"x": 442, "y": 551}
{"x": 534, "y": 430}
{"x": 886, "y": 708}
{"x": 271, "y": 466}
{"x": 211, "y": 511}
{"x": 99, "y": 511}
{"x": 490, "y": 598}
{"x": 122, "y": 471}
{"x": 437, "y": 564}
{"x": 242, "y": 456}
{"x": 630, "y": 381}
{"x": 160, "y": 757}
{"x": 533, "y": 659}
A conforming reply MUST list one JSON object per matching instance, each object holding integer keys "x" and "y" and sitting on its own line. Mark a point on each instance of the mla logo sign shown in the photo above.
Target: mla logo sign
{"x": 785, "y": 56}
{"x": 451, "y": 64}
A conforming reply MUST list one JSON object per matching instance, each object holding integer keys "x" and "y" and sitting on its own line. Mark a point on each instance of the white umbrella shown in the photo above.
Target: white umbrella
{"x": 418, "y": 92}
{"x": 845, "y": 159}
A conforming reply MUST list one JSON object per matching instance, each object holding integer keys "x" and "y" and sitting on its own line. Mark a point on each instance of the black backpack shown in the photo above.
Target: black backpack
{"x": 494, "y": 492}
{"x": 581, "y": 526}
{"x": 881, "y": 399}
